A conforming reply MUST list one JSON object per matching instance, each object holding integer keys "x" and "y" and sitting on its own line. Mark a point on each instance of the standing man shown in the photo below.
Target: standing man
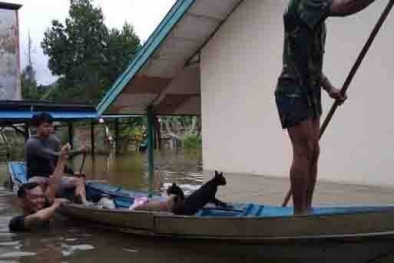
{"x": 298, "y": 92}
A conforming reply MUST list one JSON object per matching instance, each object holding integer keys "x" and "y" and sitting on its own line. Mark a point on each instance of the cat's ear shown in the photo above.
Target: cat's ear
{"x": 216, "y": 173}
{"x": 173, "y": 184}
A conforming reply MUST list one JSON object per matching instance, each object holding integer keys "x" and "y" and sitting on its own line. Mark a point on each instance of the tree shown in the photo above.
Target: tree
{"x": 121, "y": 47}
{"x": 85, "y": 54}
{"x": 28, "y": 76}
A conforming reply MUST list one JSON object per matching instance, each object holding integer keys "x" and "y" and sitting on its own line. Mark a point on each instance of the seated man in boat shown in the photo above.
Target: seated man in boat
{"x": 42, "y": 151}
{"x": 38, "y": 204}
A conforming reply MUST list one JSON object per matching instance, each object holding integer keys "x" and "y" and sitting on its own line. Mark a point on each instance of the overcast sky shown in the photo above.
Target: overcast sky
{"x": 36, "y": 16}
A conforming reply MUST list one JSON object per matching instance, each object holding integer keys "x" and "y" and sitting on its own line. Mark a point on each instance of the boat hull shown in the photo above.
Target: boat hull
{"x": 315, "y": 228}
{"x": 242, "y": 222}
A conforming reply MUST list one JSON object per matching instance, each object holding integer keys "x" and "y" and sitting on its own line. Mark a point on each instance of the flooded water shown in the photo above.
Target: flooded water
{"x": 75, "y": 243}
{"x": 71, "y": 243}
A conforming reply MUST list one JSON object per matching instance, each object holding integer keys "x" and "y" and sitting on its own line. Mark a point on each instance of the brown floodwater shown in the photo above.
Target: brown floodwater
{"x": 77, "y": 243}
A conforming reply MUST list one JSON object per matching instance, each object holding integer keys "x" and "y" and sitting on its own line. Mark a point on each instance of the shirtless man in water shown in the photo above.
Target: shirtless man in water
{"x": 38, "y": 204}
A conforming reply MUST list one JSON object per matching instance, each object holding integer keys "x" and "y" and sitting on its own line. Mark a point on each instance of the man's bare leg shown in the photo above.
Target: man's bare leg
{"x": 313, "y": 163}
{"x": 302, "y": 138}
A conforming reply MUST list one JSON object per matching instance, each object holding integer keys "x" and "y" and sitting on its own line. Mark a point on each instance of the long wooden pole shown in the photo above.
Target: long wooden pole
{"x": 83, "y": 163}
{"x": 351, "y": 75}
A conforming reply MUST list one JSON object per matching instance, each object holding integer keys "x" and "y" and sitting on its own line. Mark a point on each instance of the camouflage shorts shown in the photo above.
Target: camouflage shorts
{"x": 294, "y": 108}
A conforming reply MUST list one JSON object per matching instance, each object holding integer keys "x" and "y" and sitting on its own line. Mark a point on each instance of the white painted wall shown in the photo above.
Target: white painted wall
{"x": 239, "y": 70}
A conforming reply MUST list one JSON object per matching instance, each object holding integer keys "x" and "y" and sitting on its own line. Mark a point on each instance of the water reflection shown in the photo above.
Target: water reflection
{"x": 130, "y": 171}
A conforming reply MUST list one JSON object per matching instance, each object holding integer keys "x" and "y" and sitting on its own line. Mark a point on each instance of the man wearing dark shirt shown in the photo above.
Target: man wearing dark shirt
{"x": 42, "y": 151}
{"x": 38, "y": 204}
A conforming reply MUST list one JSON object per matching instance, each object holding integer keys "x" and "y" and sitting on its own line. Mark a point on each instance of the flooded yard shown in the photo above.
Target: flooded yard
{"x": 74, "y": 242}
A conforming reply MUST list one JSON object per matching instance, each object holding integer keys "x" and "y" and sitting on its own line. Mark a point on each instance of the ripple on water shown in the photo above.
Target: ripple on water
{"x": 17, "y": 254}
{"x": 68, "y": 250}
{"x": 9, "y": 244}
{"x": 130, "y": 250}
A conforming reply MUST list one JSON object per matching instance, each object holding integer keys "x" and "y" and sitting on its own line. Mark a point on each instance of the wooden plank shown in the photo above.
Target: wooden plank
{"x": 116, "y": 218}
{"x": 279, "y": 227}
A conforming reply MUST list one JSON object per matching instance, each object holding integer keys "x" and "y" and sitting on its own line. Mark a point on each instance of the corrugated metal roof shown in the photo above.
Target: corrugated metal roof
{"x": 22, "y": 111}
{"x": 24, "y": 115}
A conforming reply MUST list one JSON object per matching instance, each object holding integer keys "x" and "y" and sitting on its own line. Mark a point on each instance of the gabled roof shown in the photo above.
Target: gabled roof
{"x": 9, "y": 6}
{"x": 165, "y": 72}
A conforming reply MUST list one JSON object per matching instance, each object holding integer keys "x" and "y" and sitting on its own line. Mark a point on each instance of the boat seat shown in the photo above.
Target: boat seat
{"x": 18, "y": 169}
{"x": 217, "y": 212}
{"x": 251, "y": 210}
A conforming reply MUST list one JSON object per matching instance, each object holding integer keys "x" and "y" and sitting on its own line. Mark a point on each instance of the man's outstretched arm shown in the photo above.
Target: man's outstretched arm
{"x": 348, "y": 7}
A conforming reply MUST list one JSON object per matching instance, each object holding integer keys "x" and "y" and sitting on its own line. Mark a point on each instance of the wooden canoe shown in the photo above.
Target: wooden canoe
{"x": 243, "y": 222}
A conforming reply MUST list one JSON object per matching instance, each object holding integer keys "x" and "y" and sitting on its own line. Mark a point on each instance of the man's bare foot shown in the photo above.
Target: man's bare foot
{"x": 302, "y": 213}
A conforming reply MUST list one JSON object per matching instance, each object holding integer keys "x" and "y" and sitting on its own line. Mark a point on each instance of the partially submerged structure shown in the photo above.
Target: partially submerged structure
{"x": 10, "y": 87}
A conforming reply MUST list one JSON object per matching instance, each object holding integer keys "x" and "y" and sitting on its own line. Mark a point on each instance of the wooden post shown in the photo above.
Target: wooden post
{"x": 116, "y": 135}
{"x": 151, "y": 162}
{"x": 92, "y": 142}
{"x": 158, "y": 140}
{"x": 26, "y": 131}
{"x": 71, "y": 134}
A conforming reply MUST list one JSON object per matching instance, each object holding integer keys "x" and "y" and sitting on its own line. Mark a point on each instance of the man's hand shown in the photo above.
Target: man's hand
{"x": 337, "y": 95}
{"x": 65, "y": 152}
{"x": 84, "y": 149}
{"x": 79, "y": 175}
{"x": 60, "y": 201}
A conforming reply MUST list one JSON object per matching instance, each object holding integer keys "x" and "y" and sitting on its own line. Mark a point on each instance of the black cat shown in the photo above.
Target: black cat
{"x": 198, "y": 199}
{"x": 174, "y": 189}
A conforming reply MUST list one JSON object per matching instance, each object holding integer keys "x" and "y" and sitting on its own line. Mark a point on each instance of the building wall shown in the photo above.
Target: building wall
{"x": 9, "y": 56}
{"x": 240, "y": 124}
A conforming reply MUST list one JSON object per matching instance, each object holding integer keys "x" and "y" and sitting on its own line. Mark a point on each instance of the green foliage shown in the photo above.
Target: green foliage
{"x": 192, "y": 142}
{"x": 120, "y": 48}
{"x": 132, "y": 132}
{"x": 28, "y": 83}
{"x": 30, "y": 90}
{"x": 86, "y": 55}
